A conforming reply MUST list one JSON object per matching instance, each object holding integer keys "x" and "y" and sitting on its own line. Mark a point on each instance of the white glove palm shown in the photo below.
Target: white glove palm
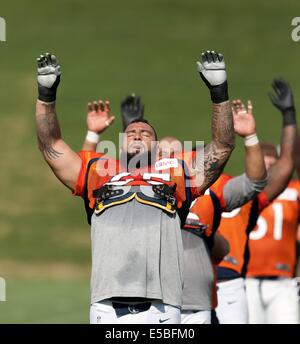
{"x": 48, "y": 77}
{"x": 212, "y": 69}
{"x": 48, "y": 70}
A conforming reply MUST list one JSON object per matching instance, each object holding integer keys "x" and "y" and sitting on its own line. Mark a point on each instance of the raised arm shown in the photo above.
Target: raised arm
{"x": 64, "y": 162}
{"x": 239, "y": 190}
{"x": 297, "y": 154}
{"x": 98, "y": 119}
{"x": 217, "y": 152}
{"x": 280, "y": 173}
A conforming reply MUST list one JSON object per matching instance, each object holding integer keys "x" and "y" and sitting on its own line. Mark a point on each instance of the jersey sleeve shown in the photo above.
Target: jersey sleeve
{"x": 85, "y": 157}
{"x": 218, "y": 190}
{"x": 263, "y": 201}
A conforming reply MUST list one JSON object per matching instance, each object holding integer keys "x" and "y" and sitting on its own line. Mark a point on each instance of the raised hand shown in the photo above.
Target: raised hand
{"x": 243, "y": 119}
{"x": 213, "y": 72}
{"x": 98, "y": 116}
{"x": 48, "y": 77}
{"x": 283, "y": 98}
{"x": 131, "y": 109}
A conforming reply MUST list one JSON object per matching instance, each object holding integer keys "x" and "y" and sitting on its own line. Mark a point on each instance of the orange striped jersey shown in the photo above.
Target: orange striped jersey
{"x": 205, "y": 211}
{"x": 98, "y": 169}
{"x": 236, "y": 226}
{"x": 273, "y": 242}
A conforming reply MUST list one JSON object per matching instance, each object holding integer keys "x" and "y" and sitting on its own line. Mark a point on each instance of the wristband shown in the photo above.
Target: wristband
{"x": 92, "y": 137}
{"x": 251, "y": 140}
{"x": 289, "y": 116}
{"x": 219, "y": 93}
{"x": 46, "y": 94}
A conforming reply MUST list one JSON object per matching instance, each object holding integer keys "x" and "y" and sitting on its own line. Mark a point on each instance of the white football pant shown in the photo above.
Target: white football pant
{"x": 232, "y": 302}
{"x": 159, "y": 313}
{"x": 273, "y": 301}
{"x": 191, "y": 317}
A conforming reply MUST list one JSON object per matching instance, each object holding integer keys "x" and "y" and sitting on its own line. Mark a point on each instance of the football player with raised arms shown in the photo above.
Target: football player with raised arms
{"x": 236, "y": 226}
{"x": 272, "y": 291}
{"x": 198, "y": 247}
{"x": 136, "y": 208}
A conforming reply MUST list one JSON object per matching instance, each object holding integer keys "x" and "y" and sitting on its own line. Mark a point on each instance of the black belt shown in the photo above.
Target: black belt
{"x": 271, "y": 278}
{"x": 132, "y": 307}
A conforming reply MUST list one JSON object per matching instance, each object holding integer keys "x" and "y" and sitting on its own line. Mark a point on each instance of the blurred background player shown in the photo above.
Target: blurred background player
{"x": 237, "y": 225}
{"x": 272, "y": 290}
{"x": 203, "y": 246}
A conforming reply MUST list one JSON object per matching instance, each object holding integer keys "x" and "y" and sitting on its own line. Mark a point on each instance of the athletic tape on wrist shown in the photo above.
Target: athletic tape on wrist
{"x": 251, "y": 140}
{"x": 92, "y": 137}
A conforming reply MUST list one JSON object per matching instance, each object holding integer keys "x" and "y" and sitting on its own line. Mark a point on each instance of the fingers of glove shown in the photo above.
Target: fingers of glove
{"x": 137, "y": 103}
{"x": 200, "y": 67}
{"x": 203, "y": 58}
{"x": 220, "y": 57}
{"x": 126, "y": 101}
{"x": 276, "y": 87}
{"x": 214, "y": 56}
{"x": 131, "y": 99}
{"x": 39, "y": 62}
{"x": 273, "y": 98}
{"x": 48, "y": 59}
{"x": 42, "y": 60}
{"x": 208, "y": 56}
{"x": 284, "y": 86}
{"x": 54, "y": 60}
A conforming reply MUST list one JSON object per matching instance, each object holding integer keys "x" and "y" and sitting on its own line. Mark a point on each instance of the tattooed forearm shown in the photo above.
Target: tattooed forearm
{"x": 48, "y": 130}
{"x": 218, "y": 151}
{"x": 222, "y": 126}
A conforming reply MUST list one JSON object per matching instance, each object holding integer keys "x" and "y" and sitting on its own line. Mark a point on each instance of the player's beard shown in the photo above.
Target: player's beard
{"x": 133, "y": 161}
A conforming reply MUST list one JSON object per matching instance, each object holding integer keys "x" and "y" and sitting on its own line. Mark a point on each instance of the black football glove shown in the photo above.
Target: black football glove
{"x": 131, "y": 109}
{"x": 213, "y": 72}
{"x": 283, "y": 100}
{"x": 48, "y": 77}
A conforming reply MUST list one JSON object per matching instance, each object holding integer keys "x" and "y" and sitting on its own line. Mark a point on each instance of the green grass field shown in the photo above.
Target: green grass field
{"x": 108, "y": 49}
